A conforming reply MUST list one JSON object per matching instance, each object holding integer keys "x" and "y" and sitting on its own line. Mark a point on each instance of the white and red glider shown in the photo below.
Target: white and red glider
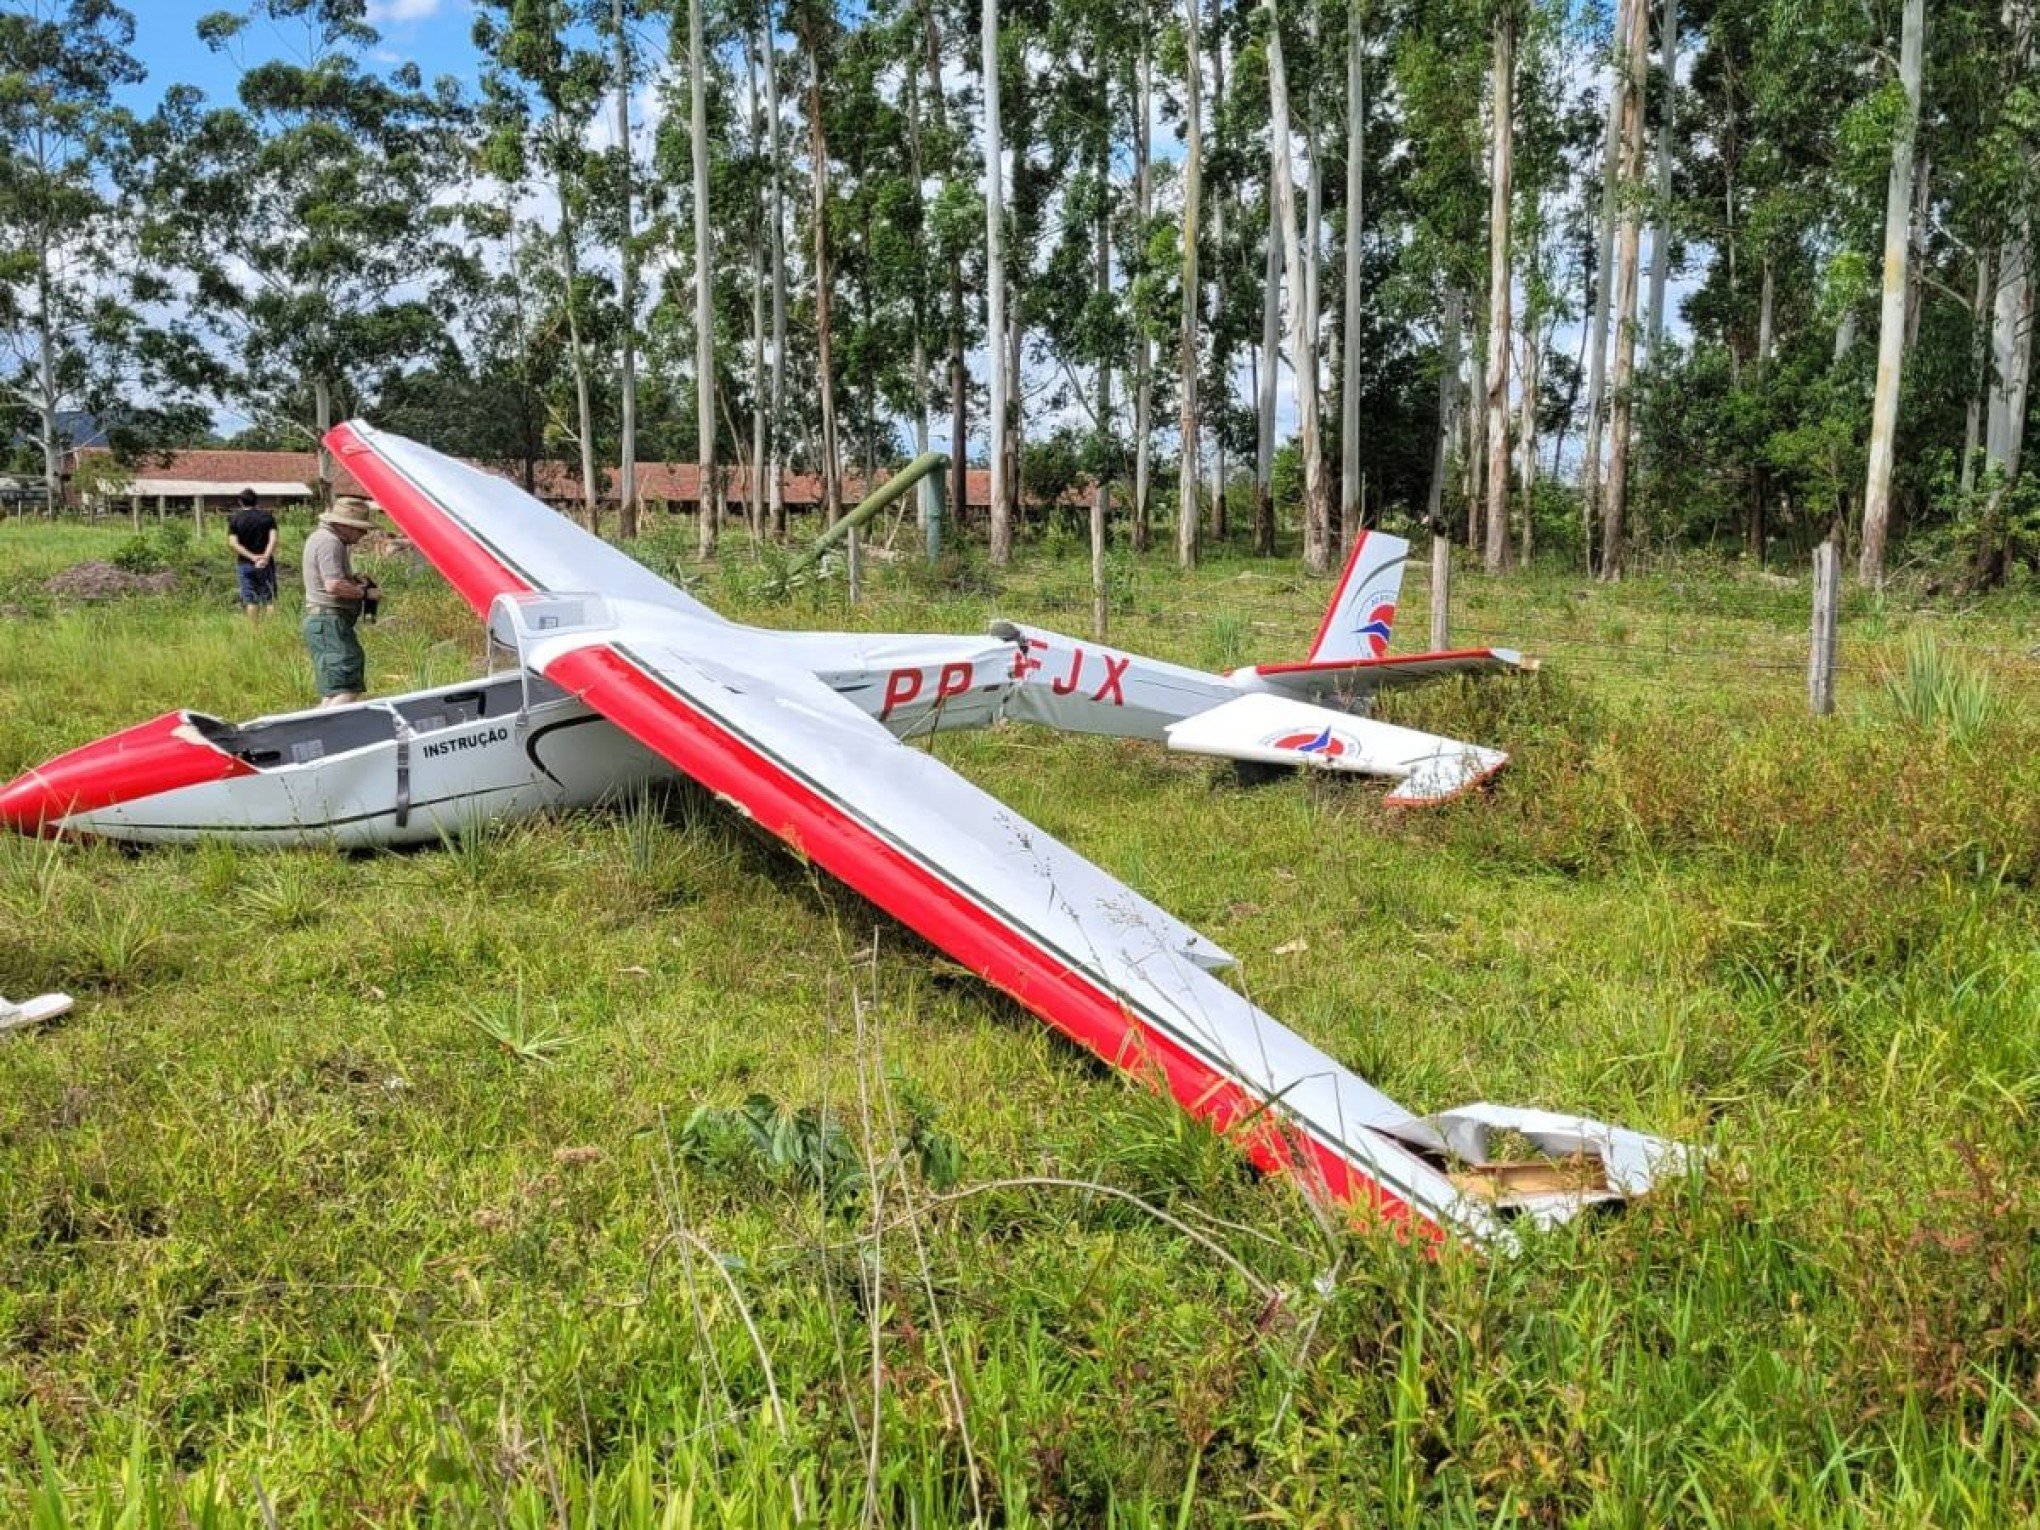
{"x": 623, "y": 678}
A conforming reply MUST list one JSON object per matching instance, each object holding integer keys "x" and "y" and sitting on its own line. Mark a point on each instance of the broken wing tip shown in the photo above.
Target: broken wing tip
{"x": 1398, "y": 799}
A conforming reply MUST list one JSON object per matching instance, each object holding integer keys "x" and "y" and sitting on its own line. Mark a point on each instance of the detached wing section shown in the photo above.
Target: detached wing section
{"x": 1064, "y": 939}
{"x": 1274, "y": 730}
{"x": 488, "y": 536}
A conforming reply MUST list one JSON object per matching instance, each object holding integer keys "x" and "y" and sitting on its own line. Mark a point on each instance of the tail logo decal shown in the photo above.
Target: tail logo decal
{"x": 1325, "y": 745}
{"x": 1374, "y": 632}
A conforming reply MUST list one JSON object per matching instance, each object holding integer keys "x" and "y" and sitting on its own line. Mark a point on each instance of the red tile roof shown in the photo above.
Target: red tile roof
{"x": 671, "y": 482}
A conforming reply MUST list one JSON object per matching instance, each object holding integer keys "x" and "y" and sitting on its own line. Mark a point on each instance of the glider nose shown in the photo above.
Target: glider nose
{"x": 28, "y": 805}
{"x": 162, "y": 755}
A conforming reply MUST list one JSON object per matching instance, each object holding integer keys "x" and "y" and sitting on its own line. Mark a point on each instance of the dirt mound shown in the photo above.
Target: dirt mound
{"x": 99, "y": 580}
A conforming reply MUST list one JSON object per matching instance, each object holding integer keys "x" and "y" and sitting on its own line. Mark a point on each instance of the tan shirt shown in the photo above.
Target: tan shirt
{"x": 326, "y": 557}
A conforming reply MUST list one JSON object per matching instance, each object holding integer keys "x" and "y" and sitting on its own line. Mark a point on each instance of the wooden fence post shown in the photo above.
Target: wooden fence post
{"x": 1441, "y": 589}
{"x": 1827, "y": 593}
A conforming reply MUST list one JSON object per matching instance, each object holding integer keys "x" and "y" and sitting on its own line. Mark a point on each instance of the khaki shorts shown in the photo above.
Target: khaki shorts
{"x": 338, "y": 664}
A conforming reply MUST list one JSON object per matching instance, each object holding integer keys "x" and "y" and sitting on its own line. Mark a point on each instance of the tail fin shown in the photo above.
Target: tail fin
{"x": 1358, "y": 621}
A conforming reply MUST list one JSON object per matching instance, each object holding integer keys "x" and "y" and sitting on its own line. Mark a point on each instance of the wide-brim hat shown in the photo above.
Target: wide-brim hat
{"x": 350, "y": 511}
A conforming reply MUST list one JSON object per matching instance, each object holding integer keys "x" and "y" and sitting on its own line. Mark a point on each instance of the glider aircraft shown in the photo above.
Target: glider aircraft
{"x": 623, "y": 679}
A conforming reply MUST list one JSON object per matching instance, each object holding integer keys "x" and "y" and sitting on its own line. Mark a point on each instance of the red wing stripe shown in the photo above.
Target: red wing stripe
{"x": 728, "y": 764}
{"x": 466, "y": 560}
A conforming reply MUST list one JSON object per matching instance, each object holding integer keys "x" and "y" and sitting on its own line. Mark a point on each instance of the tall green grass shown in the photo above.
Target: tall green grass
{"x": 620, "y": 1171}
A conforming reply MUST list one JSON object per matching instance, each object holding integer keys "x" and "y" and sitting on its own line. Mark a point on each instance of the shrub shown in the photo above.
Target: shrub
{"x": 138, "y": 555}
{"x": 1937, "y": 690}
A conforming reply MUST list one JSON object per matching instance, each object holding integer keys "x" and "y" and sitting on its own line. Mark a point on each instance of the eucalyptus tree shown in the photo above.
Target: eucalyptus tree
{"x": 2013, "y": 308}
{"x": 1602, "y": 302}
{"x": 1898, "y": 206}
{"x": 539, "y": 94}
{"x": 1437, "y": 56}
{"x": 1189, "y": 427}
{"x": 306, "y": 212}
{"x": 1627, "y": 253}
{"x": 621, "y": 15}
{"x": 775, "y": 424}
{"x": 1083, "y": 321}
{"x": 73, "y": 333}
{"x": 710, "y": 484}
{"x": 816, "y": 29}
{"x": 1317, "y": 543}
{"x": 1142, "y": 98}
{"x": 1505, "y": 24}
{"x": 995, "y": 281}
{"x": 1352, "y": 507}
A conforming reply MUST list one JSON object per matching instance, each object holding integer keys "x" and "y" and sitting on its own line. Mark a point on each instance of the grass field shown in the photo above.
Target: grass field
{"x": 615, "y": 1170}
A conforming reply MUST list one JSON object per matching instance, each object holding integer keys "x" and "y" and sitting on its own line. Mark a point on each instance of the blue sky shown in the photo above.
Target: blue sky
{"x": 433, "y": 32}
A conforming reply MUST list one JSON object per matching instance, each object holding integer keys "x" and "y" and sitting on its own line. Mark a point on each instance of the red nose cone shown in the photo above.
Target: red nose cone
{"x": 27, "y": 806}
{"x": 157, "y": 756}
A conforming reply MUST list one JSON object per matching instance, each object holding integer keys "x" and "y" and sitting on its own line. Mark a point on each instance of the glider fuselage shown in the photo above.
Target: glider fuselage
{"x": 413, "y": 768}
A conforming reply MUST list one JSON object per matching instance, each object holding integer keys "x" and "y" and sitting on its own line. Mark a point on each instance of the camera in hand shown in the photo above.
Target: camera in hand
{"x": 371, "y": 599}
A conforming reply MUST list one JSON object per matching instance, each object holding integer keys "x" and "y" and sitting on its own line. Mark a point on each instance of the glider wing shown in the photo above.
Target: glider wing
{"x": 1067, "y": 941}
{"x": 742, "y": 712}
{"x": 520, "y": 544}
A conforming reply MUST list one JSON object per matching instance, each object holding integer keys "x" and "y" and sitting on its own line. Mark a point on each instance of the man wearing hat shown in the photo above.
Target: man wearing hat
{"x": 251, "y": 532}
{"x": 334, "y": 601}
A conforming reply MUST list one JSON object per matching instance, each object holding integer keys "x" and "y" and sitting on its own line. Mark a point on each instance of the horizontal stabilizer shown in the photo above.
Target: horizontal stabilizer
{"x": 1350, "y": 680}
{"x": 1274, "y": 730}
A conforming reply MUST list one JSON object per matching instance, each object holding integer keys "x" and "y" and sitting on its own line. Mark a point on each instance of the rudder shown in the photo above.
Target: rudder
{"x": 1361, "y": 617}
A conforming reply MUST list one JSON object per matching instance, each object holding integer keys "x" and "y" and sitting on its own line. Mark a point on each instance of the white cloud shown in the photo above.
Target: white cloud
{"x": 383, "y": 12}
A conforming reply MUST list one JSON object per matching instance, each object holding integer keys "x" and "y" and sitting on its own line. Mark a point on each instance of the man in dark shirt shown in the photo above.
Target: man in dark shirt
{"x": 251, "y": 532}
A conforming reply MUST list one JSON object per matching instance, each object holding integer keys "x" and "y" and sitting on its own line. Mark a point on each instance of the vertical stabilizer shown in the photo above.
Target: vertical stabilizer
{"x": 1361, "y": 616}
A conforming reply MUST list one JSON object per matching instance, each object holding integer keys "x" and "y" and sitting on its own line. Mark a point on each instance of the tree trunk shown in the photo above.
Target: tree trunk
{"x": 1144, "y": 356}
{"x": 775, "y": 425}
{"x": 1448, "y": 393}
{"x": 1264, "y": 408}
{"x": 1220, "y": 352}
{"x": 1627, "y": 250}
{"x": 755, "y": 510}
{"x": 1351, "y": 511}
{"x": 322, "y": 412}
{"x": 1891, "y": 316}
{"x": 2011, "y": 361}
{"x": 1526, "y": 415}
{"x": 1597, "y": 329}
{"x": 2011, "y": 346}
{"x": 1767, "y": 302}
{"x": 1500, "y": 342}
{"x": 1979, "y": 371}
{"x": 1473, "y": 461}
{"x": 818, "y": 150}
{"x": 1916, "y": 242}
{"x": 1186, "y": 365}
{"x": 1313, "y": 308}
{"x": 1101, "y": 503}
{"x": 1317, "y": 552}
{"x": 995, "y": 284}
{"x": 1661, "y": 227}
{"x": 626, "y": 476}
{"x": 959, "y": 371}
{"x": 704, "y": 286}
{"x": 46, "y": 399}
{"x": 584, "y": 402}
